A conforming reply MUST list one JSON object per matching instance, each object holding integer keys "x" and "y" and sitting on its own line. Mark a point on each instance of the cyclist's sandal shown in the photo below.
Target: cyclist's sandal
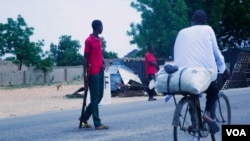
{"x": 213, "y": 126}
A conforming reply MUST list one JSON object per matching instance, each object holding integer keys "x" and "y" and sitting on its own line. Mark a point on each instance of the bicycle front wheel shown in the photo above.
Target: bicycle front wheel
{"x": 182, "y": 122}
{"x": 222, "y": 114}
{"x": 223, "y": 110}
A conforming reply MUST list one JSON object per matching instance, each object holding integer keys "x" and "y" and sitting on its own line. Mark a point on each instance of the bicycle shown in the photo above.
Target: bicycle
{"x": 188, "y": 123}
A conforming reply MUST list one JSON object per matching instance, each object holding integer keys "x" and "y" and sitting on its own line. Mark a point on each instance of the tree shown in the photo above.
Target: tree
{"x": 15, "y": 39}
{"x": 66, "y": 53}
{"x": 234, "y": 29}
{"x": 107, "y": 54}
{"x": 161, "y": 21}
{"x": 45, "y": 64}
{"x": 229, "y": 18}
{"x": 2, "y": 40}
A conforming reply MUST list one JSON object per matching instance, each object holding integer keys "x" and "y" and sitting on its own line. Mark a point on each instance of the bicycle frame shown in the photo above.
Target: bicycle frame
{"x": 188, "y": 116}
{"x": 197, "y": 128}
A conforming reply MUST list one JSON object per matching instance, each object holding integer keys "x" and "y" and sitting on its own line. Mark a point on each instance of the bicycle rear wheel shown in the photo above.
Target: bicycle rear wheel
{"x": 182, "y": 122}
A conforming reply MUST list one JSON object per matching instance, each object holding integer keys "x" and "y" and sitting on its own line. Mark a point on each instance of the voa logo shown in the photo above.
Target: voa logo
{"x": 236, "y": 132}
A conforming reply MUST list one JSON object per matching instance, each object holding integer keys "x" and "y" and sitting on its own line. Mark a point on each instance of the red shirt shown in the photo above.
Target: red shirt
{"x": 150, "y": 69}
{"x": 93, "y": 46}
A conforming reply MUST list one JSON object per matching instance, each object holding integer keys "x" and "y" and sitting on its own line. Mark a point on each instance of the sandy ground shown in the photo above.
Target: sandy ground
{"x": 38, "y": 99}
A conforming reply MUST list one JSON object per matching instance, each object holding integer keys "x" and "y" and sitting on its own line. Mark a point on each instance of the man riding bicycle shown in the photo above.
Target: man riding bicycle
{"x": 196, "y": 46}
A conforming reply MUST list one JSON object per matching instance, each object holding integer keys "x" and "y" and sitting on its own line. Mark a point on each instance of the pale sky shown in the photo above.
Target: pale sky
{"x": 53, "y": 18}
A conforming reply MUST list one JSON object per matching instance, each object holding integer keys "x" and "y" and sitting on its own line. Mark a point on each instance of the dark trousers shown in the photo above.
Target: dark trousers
{"x": 211, "y": 96}
{"x": 151, "y": 92}
{"x": 96, "y": 87}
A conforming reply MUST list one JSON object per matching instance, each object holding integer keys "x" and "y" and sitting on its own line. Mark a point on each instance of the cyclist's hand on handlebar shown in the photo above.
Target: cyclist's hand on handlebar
{"x": 227, "y": 73}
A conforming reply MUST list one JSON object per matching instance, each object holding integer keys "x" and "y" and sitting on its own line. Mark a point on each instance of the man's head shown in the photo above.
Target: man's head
{"x": 97, "y": 26}
{"x": 199, "y": 17}
{"x": 150, "y": 48}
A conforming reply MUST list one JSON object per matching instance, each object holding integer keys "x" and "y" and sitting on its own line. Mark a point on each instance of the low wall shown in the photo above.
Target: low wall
{"x": 29, "y": 75}
{"x": 34, "y": 76}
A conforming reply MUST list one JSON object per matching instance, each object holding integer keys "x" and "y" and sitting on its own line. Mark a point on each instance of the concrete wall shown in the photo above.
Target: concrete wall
{"x": 30, "y": 75}
{"x": 9, "y": 75}
{"x": 11, "y": 78}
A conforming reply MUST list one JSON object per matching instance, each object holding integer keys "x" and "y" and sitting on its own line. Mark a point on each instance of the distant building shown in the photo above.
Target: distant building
{"x": 132, "y": 53}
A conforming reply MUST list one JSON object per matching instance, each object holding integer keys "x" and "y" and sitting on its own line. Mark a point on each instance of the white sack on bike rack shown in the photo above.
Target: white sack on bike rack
{"x": 193, "y": 80}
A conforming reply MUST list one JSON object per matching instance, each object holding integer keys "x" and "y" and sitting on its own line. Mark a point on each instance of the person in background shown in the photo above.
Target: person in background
{"x": 196, "y": 46}
{"x": 93, "y": 64}
{"x": 151, "y": 68}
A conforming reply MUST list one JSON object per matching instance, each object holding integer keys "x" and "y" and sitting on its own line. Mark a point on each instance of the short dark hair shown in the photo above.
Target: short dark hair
{"x": 150, "y": 47}
{"x": 199, "y": 17}
{"x": 96, "y": 24}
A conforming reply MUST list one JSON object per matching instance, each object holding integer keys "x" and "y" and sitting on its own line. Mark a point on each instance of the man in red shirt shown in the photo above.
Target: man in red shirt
{"x": 93, "y": 63}
{"x": 151, "y": 69}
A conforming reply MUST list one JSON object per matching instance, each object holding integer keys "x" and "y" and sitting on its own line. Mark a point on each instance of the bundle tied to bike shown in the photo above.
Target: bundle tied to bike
{"x": 172, "y": 79}
{"x": 188, "y": 120}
